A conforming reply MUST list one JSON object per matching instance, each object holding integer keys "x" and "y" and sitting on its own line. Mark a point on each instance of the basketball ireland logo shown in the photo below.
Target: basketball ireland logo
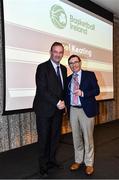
{"x": 58, "y": 16}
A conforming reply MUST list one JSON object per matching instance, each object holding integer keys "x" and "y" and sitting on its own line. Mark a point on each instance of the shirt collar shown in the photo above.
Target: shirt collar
{"x": 54, "y": 64}
{"x": 78, "y": 73}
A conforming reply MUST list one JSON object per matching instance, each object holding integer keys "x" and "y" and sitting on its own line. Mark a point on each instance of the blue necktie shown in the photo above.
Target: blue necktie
{"x": 59, "y": 77}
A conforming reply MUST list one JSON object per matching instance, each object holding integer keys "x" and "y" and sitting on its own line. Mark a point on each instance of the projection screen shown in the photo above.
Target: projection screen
{"x": 31, "y": 26}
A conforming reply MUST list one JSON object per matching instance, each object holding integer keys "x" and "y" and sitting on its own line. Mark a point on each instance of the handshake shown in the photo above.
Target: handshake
{"x": 60, "y": 105}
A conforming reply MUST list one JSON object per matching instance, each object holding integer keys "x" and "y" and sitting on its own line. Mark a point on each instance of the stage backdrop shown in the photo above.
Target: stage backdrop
{"x": 30, "y": 34}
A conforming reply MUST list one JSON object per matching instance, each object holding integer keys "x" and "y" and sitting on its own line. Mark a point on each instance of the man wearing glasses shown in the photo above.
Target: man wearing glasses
{"x": 82, "y": 89}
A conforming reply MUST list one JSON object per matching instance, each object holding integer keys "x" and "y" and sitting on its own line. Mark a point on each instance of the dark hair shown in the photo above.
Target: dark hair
{"x": 57, "y": 44}
{"x": 72, "y": 56}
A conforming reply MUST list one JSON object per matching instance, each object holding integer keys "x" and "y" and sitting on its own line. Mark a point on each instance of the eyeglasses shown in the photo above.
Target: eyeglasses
{"x": 74, "y": 63}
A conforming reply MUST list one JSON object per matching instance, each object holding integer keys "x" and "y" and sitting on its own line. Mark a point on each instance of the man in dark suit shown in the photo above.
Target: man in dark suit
{"x": 81, "y": 102}
{"x": 49, "y": 105}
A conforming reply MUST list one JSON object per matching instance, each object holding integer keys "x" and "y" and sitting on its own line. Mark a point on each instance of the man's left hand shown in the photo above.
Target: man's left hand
{"x": 78, "y": 92}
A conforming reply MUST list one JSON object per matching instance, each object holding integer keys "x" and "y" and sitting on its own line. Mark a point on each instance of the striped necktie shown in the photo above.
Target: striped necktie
{"x": 75, "y": 87}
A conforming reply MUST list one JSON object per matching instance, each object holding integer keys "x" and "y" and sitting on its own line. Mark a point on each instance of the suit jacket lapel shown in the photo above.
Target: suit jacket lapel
{"x": 52, "y": 70}
{"x": 82, "y": 79}
{"x": 63, "y": 74}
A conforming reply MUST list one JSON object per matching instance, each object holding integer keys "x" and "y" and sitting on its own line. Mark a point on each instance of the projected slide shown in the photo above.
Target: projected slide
{"x": 31, "y": 26}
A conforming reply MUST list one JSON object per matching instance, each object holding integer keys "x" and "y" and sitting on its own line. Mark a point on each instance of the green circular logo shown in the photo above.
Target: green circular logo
{"x": 58, "y": 16}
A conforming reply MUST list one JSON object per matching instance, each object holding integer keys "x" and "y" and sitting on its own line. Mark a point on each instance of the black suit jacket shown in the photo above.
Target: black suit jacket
{"x": 48, "y": 90}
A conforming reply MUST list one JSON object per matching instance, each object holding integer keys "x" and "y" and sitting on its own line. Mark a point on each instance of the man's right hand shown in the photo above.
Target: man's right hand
{"x": 60, "y": 105}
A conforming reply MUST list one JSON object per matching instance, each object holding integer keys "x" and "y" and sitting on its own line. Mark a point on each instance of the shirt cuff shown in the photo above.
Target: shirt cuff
{"x": 82, "y": 94}
{"x": 58, "y": 102}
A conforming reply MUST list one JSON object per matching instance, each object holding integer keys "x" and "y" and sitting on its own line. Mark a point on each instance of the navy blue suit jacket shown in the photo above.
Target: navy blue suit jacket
{"x": 91, "y": 89}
